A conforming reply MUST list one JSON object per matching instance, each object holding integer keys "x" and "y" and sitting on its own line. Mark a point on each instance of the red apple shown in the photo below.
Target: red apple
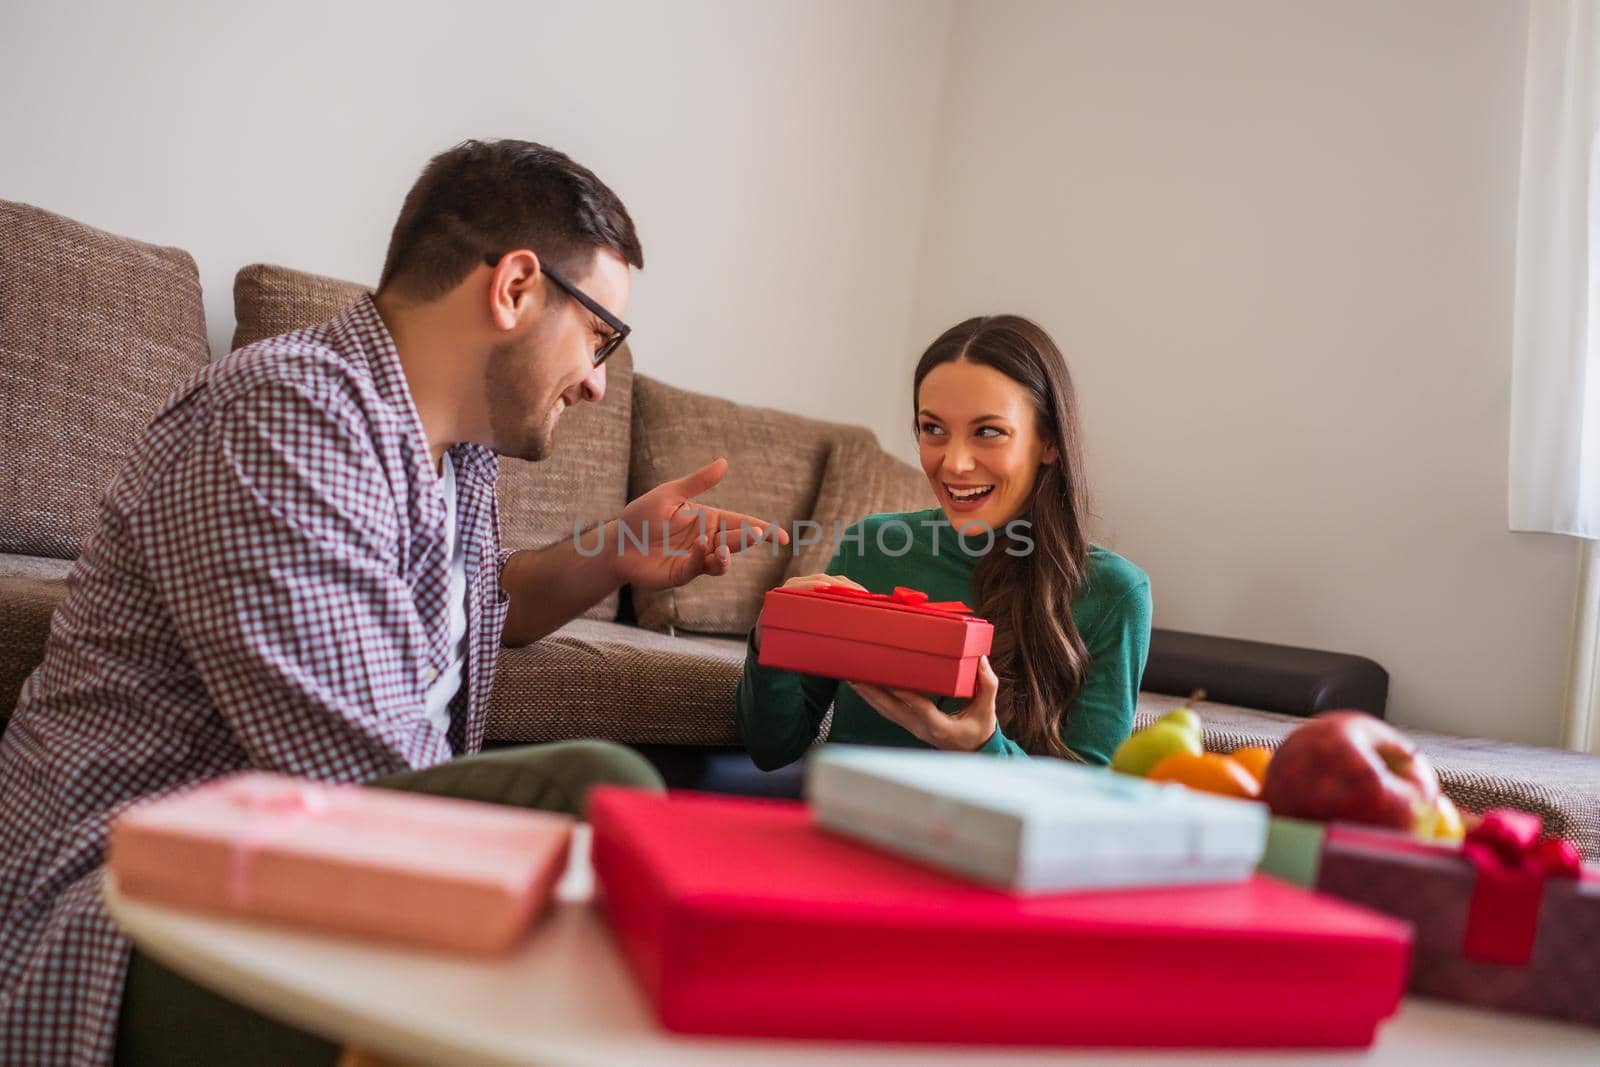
{"x": 1350, "y": 766}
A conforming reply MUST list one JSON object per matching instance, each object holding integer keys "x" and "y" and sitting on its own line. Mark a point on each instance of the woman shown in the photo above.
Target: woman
{"x": 997, "y": 434}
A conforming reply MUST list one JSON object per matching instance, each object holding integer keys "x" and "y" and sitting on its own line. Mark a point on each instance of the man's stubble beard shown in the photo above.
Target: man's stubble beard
{"x": 505, "y": 384}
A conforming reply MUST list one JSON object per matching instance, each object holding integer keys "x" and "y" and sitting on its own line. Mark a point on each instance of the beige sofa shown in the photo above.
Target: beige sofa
{"x": 95, "y": 331}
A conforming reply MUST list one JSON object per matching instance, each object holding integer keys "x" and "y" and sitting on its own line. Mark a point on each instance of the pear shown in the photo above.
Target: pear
{"x": 1153, "y": 744}
{"x": 1184, "y": 717}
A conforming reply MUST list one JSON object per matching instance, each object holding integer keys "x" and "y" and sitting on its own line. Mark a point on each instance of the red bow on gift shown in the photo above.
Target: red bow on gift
{"x": 915, "y": 599}
{"x": 1513, "y": 862}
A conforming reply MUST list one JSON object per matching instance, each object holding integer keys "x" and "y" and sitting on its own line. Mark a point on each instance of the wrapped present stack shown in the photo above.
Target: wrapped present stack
{"x": 931, "y": 896}
{"x": 956, "y": 898}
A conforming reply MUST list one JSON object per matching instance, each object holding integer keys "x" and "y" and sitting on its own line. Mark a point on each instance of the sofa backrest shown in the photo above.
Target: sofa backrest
{"x": 584, "y": 481}
{"x": 96, "y": 332}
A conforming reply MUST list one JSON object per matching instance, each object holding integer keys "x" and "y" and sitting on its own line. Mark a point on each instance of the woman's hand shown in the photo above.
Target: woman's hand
{"x": 811, "y": 581}
{"x": 965, "y": 731}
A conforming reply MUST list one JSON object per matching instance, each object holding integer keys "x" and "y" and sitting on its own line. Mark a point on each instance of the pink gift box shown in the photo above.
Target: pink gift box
{"x": 440, "y": 873}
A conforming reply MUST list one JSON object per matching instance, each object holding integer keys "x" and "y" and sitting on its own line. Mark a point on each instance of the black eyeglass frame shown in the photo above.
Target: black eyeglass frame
{"x": 619, "y": 329}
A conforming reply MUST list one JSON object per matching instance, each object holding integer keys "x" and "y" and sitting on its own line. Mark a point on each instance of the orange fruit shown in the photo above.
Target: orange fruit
{"x": 1207, "y": 772}
{"x": 1253, "y": 759}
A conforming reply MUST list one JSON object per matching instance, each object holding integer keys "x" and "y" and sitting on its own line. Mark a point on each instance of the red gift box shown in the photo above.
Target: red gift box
{"x": 1507, "y": 920}
{"x": 741, "y": 917}
{"x": 899, "y": 640}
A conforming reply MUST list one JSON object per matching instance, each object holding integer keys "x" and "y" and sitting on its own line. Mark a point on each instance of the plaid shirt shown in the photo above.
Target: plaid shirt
{"x": 266, "y": 588}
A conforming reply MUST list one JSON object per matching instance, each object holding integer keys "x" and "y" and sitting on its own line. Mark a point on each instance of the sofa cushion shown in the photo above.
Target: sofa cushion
{"x": 860, "y": 479}
{"x": 618, "y": 682}
{"x": 96, "y": 332}
{"x": 775, "y": 466}
{"x": 30, "y": 589}
{"x": 270, "y": 300}
{"x": 584, "y": 481}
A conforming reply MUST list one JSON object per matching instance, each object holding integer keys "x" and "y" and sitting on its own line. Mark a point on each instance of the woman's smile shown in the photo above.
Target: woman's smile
{"x": 967, "y": 497}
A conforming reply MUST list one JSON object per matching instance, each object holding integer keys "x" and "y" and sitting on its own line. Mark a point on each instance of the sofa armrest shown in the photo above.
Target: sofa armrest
{"x": 1255, "y": 674}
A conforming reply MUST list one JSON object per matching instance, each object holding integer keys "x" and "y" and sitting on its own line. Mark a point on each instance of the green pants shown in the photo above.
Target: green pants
{"x": 168, "y": 1020}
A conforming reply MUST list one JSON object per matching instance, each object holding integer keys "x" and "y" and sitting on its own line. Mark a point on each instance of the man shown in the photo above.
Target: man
{"x": 299, "y": 570}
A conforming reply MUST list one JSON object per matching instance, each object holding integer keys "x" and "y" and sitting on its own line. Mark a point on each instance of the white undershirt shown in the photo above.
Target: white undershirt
{"x": 444, "y": 687}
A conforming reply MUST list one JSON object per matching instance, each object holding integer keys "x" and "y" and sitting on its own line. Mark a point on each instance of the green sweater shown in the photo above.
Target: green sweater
{"x": 780, "y": 712}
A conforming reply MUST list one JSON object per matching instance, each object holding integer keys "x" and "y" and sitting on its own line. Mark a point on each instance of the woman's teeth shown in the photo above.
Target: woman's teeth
{"x": 970, "y": 494}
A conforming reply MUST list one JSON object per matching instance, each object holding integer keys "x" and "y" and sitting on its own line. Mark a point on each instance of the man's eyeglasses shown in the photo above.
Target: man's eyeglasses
{"x": 619, "y": 329}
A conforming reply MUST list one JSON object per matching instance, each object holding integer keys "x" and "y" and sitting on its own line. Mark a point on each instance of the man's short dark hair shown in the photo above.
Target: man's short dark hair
{"x": 484, "y": 197}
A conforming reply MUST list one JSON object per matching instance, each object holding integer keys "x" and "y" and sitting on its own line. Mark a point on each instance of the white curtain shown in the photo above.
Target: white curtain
{"x": 1555, "y": 381}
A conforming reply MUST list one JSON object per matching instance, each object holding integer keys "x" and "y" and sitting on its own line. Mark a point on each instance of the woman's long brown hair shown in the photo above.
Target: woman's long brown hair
{"x": 1038, "y": 654}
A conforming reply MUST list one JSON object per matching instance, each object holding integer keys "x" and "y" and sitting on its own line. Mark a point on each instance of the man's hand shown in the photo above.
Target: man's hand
{"x": 683, "y": 540}
{"x": 965, "y": 731}
{"x": 549, "y": 587}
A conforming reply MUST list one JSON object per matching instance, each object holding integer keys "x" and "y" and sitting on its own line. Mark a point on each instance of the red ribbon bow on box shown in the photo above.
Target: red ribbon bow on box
{"x": 1513, "y": 862}
{"x": 911, "y": 599}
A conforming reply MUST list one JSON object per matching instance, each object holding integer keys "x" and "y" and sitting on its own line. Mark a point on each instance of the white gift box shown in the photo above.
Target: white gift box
{"x": 1033, "y": 826}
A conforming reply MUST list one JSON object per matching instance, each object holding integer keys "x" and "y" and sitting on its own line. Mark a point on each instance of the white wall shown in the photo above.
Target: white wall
{"x": 772, "y": 155}
{"x": 1276, "y": 241}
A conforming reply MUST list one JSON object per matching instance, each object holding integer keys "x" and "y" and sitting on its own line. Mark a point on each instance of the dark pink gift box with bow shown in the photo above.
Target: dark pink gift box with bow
{"x": 1508, "y": 919}
{"x": 899, "y": 640}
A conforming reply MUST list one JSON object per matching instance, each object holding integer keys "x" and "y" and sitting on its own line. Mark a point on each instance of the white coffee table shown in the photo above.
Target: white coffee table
{"x": 566, "y": 999}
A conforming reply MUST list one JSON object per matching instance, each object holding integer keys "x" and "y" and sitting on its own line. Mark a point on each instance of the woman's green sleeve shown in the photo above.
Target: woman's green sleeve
{"x": 1101, "y": 717}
